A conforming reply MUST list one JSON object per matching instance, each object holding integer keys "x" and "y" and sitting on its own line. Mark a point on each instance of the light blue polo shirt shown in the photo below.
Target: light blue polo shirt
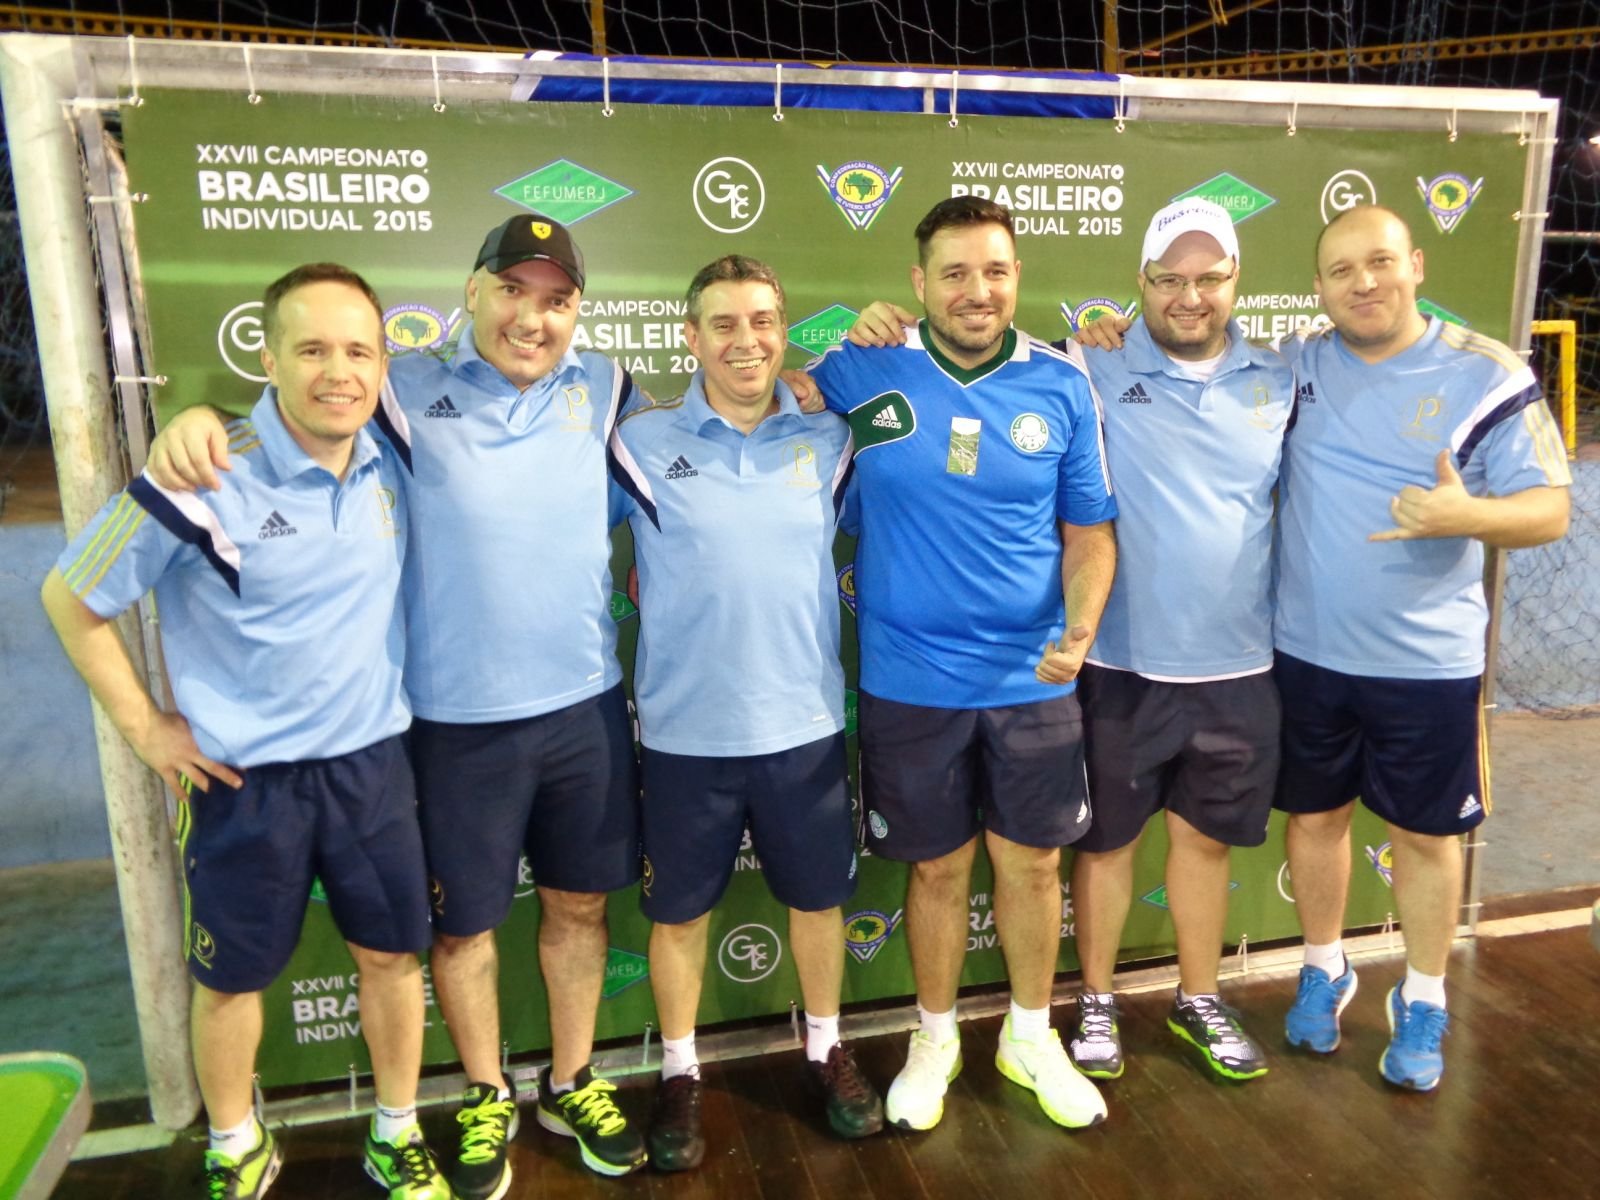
{"x": 1195, "y": 464}
{"x": 508, "y": 583}
{"x": 738, "y": 602}
{"x": 278, "y": 595}
{"x": 1362, "y": 431}
{"x": 963, "y": 476}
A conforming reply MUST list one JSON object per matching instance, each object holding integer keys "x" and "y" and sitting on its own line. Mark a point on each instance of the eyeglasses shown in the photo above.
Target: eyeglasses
{"x": 1176, "y": 285}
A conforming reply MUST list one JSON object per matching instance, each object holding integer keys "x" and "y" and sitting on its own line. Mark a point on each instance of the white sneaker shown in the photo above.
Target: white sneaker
{"x": 1044, "y": 1069}
{"x": 916, "y": 1097}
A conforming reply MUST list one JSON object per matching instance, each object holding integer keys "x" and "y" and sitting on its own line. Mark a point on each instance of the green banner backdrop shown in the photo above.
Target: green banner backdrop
{"x": 238, "y": 193}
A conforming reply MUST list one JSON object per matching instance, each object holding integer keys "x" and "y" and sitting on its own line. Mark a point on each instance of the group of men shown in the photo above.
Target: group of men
{"x": 446, "y": 567}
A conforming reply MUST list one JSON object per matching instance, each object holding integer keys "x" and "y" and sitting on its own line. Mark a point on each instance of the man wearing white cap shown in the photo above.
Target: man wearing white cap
{"x": 1180, "y": 712}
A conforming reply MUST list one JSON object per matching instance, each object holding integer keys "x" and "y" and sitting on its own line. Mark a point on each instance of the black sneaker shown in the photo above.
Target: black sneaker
{"x": 1213, "y": 1028}
{"x": 676, "y": 1143}
{"x": 855, "y": 1109}
{"x": 609, "y": 1145}
{"x": 487, "y": 1124}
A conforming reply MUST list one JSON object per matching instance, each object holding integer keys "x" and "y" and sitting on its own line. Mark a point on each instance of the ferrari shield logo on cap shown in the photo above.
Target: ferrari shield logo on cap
{"x": 540, "y": 230}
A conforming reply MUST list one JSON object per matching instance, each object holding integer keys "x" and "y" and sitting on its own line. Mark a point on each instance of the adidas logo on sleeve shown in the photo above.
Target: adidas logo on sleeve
{"x": 681, "y": 469}
{"x": 1134, "y": 395}
{"x": 442, "y": 408}
{"x": 275, "y": 526}
{"x": 1305, "y": 393}
{"x": 888, "y": 419}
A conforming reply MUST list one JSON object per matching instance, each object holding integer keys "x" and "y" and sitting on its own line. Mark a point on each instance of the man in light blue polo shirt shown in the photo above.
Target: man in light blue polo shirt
{"x": 1416, "y": 444}
{"x": 734, "y": 495}
{"x": 1180, "y": 712}
{"x": 281, "y": 624}
{"x": 522, "y": 744}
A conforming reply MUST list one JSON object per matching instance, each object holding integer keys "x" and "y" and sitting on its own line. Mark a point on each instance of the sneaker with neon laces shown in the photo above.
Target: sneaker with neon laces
{"x": 1043, "y": 1068}
{"x": 916, "y": 1097}
{"x": 1413, "y": 1058}
{"x": 406, "y": 1167}
{"x": 855, "y": 1109}
{"x": 248, "y": 1176}
{"x": 487, "y": 1123}
{"x": 676, "y": 1143}
{"x": 1095, "y": 1044}
{"x": 1313, "y": 1020}
{"x": 609, "y": 1145}
{"x": 1213, "y": 1028}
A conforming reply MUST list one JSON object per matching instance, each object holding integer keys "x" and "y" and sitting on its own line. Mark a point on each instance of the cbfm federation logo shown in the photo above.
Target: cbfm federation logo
{"x": 1382, "y": 860}
{"x": 1448, "y": 197}
{"x": 866, "y": 932}
{"x": 1344, "y": 190}
{"x": 847, "y": 585}
{"x": 1080, "y": 315}
{"x": 413, "y": 327}
{"x": 729, "y": 195}
{"x": 749, "y": 953}
{"x": 239, "y": 340}
{"x": 860, "y": 189}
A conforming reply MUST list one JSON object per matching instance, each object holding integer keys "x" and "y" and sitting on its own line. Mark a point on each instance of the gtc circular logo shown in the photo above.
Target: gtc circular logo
{"x": 1030, "y": 433}
{"x": 239, "y": 341}
{"x": 1344, "y": 191}
{"x": 729, "y": 195}
{"x": 525, "y": 883}
{"x": 749, "y": 953}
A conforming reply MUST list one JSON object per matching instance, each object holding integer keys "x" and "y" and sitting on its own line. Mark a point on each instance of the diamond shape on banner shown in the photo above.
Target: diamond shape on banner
{"x": 624, "y": 968}
{"x": 1240, "y": 199}
{"x": 564, "y": 190}
{"x": 822, "y": 329}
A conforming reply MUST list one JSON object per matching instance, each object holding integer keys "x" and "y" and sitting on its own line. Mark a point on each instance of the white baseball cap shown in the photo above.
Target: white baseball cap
{"x": 1189, "y": 216}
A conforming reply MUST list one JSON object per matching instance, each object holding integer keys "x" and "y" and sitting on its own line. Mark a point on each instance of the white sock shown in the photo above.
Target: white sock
{"x": 238, "y": 1141}
{"x": 678, "y": 1057}
{"x": 389, "y": 1123}
{"x": 1427, "y": 988}
{"x": 1329, "y": 958}
{"x": 822, "y": 1035}
{"x": 1029, "y": 1024}
{"x": 1185, "y": 998}
{"x": 940, "y": 1027}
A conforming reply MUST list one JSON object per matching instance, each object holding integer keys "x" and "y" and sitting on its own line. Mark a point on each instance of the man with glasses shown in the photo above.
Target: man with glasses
{"x": 1180, "y": 712}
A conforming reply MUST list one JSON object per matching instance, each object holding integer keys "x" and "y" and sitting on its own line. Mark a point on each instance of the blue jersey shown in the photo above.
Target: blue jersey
{"x": 278, "y": 595}
{"x": 508, "y": 584}
{"x": 1195, "y": 464}
{"x": 1402, "y": 609}
{"x": 738, "y": 604}
{"x": 963, "y": 476}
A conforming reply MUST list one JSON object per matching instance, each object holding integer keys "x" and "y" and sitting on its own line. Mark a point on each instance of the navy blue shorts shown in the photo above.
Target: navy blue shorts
{"x": 1206, "y": 750}
{"x": 249, "y": 857}
{"x": 931, "y": 778}
{"x": 1411, "y": 749}
{"x": 561, "y": 788}
{"x": 796, "y": 803}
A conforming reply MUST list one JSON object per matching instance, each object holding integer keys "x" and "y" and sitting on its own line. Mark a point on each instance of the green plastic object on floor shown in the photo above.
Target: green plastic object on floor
{"x": 45, "y": 1098}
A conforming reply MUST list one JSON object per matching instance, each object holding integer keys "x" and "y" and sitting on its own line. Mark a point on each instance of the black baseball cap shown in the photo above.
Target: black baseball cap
{"x": 526, "y": 238}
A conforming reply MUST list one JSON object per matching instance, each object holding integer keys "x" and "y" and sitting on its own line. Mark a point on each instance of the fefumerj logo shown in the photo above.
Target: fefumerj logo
{"x": 749, "y": 953}
{"x": 1240, "y": 200}
{"x": 860, "y": 189}
{"x": 729, "y": 195}
{"x": 624, "y": 968}
{"x": 564, "y": 191}
{"x": 816, "y": 333}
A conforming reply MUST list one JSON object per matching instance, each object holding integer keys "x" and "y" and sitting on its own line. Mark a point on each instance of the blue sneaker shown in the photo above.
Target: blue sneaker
{"x": 1413, "y": 1059}
{"x": 1313, "y": 1020}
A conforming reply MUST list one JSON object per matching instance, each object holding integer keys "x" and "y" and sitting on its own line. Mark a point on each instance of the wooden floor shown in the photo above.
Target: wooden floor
{"x": 1516, "y": 1116}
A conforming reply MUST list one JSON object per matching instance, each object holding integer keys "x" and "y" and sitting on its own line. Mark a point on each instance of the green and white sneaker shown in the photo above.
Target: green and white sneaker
{"x": 406, "y": 1167}
{"x": 1044, "y": 1069}
{"x": 1095, "y": 1043}
{"x": 247, "y": 1177}
{"x": 609, "y": 1145}
{"x": 1213, "y": 1028}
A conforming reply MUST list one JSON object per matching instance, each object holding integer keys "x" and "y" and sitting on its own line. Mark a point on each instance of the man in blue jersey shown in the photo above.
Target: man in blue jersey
{"x": 734, "y": 497}
{"x": 281, "y": 624}
{"x": 1180, "y": 712}
{"x": 984, "y": 561}
{"x": 522, "y": 743}
{"x": 1416, "y": 444}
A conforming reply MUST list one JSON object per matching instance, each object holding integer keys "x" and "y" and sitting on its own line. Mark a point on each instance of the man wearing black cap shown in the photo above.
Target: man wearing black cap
{"x": 522, "y": 743}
